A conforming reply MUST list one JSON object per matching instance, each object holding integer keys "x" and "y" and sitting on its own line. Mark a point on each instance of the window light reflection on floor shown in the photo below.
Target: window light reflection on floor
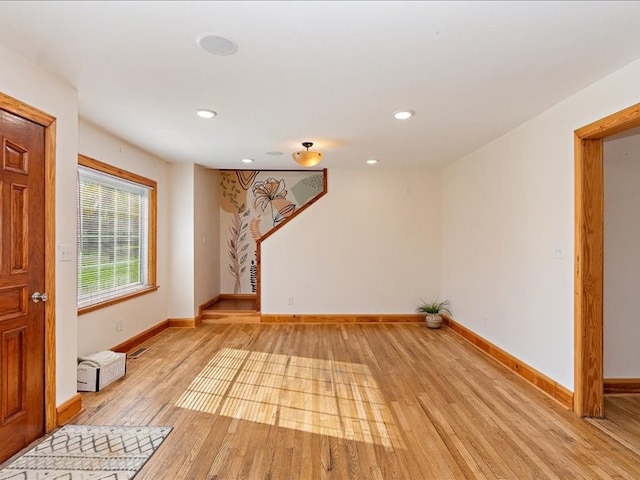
{"x": 325, "y": 397}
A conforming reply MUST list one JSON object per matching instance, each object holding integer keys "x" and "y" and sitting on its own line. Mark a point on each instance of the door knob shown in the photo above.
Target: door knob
{"x": 39, "y": 297}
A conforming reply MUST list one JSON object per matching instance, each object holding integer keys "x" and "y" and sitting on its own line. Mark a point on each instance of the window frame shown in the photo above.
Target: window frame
{"x": 120, "y": 173}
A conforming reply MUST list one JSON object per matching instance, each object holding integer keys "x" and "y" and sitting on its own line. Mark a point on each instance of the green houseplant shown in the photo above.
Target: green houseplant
{"x": 432, "y": 311}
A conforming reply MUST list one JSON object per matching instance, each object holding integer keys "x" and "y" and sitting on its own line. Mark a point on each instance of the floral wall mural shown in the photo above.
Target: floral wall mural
{"x": 252, "y": 203}
{"x": 271, "y": 193}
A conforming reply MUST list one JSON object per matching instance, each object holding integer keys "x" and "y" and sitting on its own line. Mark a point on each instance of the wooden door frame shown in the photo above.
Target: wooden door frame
{"x": 588, "y": 397}
{"x": 35, "y": 115}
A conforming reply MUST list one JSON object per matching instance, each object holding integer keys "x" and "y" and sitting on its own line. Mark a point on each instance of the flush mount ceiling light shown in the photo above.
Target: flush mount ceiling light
{"x": 217, "y": 44}
{"x": 307, "y": 158}
{"x": 403, "y": 114}
{"x": 203, "y": 113}
{"x": 247, "y": 160}
{"x": 372, "y": 161}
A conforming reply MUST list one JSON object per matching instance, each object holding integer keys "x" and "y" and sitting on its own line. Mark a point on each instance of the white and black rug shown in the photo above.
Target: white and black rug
{"x": 85, "y": 452}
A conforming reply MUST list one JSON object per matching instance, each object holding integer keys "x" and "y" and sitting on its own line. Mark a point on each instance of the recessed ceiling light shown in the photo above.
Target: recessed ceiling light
{"x": 247, "y": 160}
{"x": 372, "y": 161}
{"x": 202, "y": 113}
{"x": 217, "y": 44}
{"x": 403, "y": 114}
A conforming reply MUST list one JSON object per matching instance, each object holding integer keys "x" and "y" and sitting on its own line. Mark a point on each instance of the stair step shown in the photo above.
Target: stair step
{"x": 230, "y": 316}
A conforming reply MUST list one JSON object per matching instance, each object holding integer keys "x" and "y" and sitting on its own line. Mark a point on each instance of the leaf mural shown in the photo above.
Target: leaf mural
{"x": 272, "y": 193}
{"x": 233, "y": 192}
{"x": 254, "y": 228}
{"x": 238, "y": 246}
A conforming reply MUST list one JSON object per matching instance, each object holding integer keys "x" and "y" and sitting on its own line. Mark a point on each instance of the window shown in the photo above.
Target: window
{"x": 116, "y": 234}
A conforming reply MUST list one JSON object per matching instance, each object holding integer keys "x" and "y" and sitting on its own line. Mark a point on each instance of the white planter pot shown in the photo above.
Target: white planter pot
{"x": 434, "y": 320}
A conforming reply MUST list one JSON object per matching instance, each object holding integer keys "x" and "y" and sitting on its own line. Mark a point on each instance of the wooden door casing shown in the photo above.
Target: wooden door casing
{"x": 588, "y": 398}
{"x": 22, "y": 269}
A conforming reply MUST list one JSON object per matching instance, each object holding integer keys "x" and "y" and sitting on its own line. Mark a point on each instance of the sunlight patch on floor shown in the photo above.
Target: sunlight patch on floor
{"x": 325, "y": 397}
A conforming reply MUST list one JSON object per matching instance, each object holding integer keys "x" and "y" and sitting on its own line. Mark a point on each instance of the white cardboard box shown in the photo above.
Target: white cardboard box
{"x": 91, "y": 379}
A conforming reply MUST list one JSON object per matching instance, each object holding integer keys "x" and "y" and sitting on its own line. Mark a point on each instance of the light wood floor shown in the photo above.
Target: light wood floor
{"x": 391, "y": 401}
{"x": 622, "y": 421}
{"x": 231, "y": 304}
{"x": 232, "y": 310}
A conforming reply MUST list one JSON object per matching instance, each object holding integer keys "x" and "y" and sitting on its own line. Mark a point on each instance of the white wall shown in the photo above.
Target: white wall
{"x": 622, "y": 257}
{"x": 507, "y": 207}
{"x": 29, "y": 84}
{"x": 370, "y": 245}
{"x": 207, "y": 235}
{"x": 181, "y": 289}
{"x": 194, "y": 238}
{"x": 97, "y": 330}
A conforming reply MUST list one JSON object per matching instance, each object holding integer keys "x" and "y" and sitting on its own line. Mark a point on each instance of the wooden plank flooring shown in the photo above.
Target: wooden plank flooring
{"x": 232, "y": 310}
{"x": 622, "y": 421}
{"x": 384, "y": 401}
{"x": 234, "y": 304}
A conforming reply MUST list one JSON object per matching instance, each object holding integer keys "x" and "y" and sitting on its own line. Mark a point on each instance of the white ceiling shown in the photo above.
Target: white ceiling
{"x": 329, "y": 72}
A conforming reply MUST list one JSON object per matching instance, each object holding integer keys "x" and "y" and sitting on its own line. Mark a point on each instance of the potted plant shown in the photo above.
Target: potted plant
{"x": 432, "y": 311}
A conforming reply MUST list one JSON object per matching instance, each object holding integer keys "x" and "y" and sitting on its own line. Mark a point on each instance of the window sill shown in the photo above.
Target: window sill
{"x": 113, "y": 301}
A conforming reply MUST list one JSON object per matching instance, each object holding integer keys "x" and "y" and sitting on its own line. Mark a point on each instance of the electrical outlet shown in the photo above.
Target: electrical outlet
{"x": 290, "y": 300}
{"x": 119, "y": 325}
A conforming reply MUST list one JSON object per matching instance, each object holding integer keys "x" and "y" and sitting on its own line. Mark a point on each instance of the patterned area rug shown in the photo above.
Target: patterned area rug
{"x": 85, "y": 452}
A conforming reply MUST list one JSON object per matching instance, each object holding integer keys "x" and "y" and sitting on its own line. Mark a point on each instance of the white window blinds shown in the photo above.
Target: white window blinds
{"x": 113, "y": 237}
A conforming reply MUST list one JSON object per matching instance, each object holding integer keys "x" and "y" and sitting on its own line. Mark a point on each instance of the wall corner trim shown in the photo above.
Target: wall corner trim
{"x": 622, "y": 385}
{"x": 140, "y": 338}
{"x": 186, "y": 322}
{"x": 338, "y": 318}
{"x": 549, "y": 386}
{"x": 69, "y": 409}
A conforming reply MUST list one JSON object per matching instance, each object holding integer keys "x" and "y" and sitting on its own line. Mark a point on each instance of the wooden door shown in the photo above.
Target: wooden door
{"x": 22, "y": 321}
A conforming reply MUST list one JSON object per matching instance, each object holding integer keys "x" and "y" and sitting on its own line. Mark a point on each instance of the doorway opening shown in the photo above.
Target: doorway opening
{"x": 588, "y": 398}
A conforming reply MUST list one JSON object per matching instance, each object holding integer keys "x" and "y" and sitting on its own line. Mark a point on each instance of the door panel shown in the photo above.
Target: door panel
{"x": 15, "y": 158}
{"x": 13, "y": 302}
{"x": 13, "y": 363}
{"x": 21, "y": 273}
{"x": 19, "y": 228}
